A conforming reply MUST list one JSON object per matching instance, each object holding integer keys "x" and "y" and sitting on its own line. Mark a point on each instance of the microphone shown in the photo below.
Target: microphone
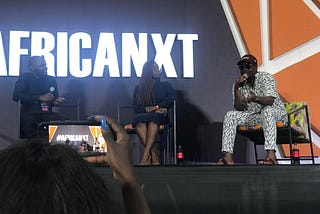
{"x": 245, "y": 76}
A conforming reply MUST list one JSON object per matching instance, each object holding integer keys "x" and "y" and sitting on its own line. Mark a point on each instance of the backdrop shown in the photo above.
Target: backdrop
{"x": 202, "y": 100}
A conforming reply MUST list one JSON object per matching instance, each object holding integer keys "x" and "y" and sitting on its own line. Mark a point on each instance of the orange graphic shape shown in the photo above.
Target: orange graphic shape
{"x": 96, "y": 132}
{"x": 52, "y": 130}
{"x": 292, "y": 23}
{"x": 247, "y": 16}
{"x": 300, "y": 82}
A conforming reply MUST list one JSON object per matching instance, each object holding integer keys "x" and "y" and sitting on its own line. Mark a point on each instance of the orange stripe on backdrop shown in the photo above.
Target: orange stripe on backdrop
{"x": 247, "y": 15}
{"x": 292, "y": 23}
{"x": 301, "y": 82}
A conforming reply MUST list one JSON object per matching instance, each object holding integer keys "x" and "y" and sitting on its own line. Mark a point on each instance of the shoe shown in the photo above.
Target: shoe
{"x": 268, "y": 161}
{"x": 154, "y": 158}
{"x": 145, "y": 161}
{"x": 223, "y": 161}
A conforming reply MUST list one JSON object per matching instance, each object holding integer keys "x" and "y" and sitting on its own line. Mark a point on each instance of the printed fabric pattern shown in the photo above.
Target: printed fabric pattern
{"x": 298, "y": 118}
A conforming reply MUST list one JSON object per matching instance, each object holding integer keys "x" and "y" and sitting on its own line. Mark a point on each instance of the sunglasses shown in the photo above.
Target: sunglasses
{"x": 245, "y": 65}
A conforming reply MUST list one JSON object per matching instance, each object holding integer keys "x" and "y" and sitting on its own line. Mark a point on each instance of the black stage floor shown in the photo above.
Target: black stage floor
{"x": 229, "y": 189}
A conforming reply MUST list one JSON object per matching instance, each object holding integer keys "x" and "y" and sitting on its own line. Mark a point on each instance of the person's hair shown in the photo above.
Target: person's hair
{"x": 36, "y": 177}
{"x": 145, "y": 91}
{"x": 33, "y": 59}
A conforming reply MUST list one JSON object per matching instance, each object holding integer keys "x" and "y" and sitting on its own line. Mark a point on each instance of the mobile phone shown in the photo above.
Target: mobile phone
{"x": 103, "y": 121}
{"x": 91, "y": 118}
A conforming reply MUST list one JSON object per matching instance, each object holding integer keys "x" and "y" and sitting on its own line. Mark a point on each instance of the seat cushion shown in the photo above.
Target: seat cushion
{"x": 130, "y": 127}
{"x": 258, "y": 126}
{"x": 298, "y": 121}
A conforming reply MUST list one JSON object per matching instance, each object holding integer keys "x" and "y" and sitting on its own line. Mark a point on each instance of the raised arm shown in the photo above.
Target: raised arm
{"x": 120, "y": 161}
{"x": 240, "y": 102}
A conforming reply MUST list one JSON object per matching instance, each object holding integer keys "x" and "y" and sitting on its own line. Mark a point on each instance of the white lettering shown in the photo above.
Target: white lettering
{"x": 62, "y": 54}
{"x": 187, "y": 45}
{"x": 106, "y": 46}
{"x": 163, "y": 56}
{"x": 130, "y": 50}
{"x": 15, "y": 51}
{"x": 3, "y": 65}
{"x": 68, "y": 54}
{"x": 71, "y": 137}
{"x": 42, "y": 43}
{"x": 75, "y": 63}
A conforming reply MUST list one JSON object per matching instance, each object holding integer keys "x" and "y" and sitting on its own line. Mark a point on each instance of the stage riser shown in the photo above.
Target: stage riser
{"x": 229, "y": 189}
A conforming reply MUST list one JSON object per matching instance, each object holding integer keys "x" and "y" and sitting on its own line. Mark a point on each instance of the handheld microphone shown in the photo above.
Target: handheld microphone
{"x": 245, "y": 76}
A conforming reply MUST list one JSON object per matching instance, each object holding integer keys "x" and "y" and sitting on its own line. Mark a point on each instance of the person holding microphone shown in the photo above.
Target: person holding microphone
{"x": 255, "y": 100}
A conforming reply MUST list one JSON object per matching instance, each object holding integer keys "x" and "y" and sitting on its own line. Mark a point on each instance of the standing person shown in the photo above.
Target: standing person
{"x": 151, "y": 99}
{"x": 37, "y": 93}
{"x": 256, "y": 100}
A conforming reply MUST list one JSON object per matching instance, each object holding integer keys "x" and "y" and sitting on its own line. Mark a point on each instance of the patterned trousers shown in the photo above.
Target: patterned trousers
{"x": 267, "y": 117}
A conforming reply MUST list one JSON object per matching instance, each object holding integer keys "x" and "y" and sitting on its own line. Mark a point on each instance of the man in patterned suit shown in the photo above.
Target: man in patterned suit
{"x": 256, "y": 100}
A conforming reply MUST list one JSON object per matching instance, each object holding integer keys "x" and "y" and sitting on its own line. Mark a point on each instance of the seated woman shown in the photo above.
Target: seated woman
{"x": 151, "y": 99}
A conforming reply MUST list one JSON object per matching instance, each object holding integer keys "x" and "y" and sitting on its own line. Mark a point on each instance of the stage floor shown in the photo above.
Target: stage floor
{"x": 228, "y": 189}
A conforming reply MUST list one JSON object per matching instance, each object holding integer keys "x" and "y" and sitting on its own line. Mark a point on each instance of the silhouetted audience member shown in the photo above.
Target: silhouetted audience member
{"x": 37, "y": 93}
{"x": 39, "y": 178}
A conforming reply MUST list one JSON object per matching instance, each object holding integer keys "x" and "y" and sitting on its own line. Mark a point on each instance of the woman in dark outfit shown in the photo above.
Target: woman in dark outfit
{"x": 151, "y": 99}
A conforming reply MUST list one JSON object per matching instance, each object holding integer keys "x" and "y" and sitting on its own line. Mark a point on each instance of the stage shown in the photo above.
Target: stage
{"x": 228, "y": 189}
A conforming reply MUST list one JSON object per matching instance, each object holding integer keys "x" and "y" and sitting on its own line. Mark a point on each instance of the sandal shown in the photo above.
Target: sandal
{"x": 154, "y": 158}
{"x": 223, "y": 161}
{"x": 268, "y": 161}
{"x": 145, "y": 162}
